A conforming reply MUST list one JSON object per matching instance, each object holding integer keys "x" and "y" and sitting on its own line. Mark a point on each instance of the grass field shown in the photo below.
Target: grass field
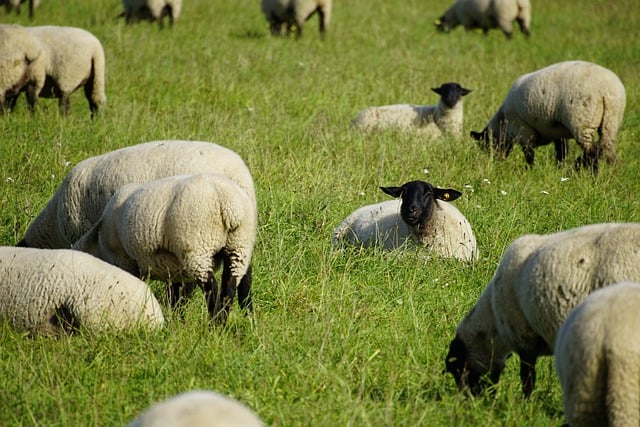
{"x": 355, "y": 338}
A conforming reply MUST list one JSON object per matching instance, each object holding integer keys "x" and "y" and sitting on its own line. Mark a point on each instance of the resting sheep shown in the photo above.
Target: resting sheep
{"x": 286, "y": 16}
{"x": 74, "y": 58}
{"x": 597, "y": 357}
{"x": 14, "y": 5}
{"x": 540, "y": 279}
{"x": 151, "y": 10}
{"x": 51, "y": 291}
{"x": 487, "y": 14}
{"x": 572, "y": 99}
{"x": 198, "y": 408}
{"x": 423, "y": 216}
{"x": 445, "y": 118}
{"x": 180, "y": 229}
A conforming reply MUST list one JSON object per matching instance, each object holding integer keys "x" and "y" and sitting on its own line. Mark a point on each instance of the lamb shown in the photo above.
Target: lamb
{"x": 445, "y": 118}
{"x": 151, "y": 10}
{"x": 571, "y": 99}
{"x": 487, "y": 14}
{"x": 597, "y": 355}
{"x": 74, "y": 58}
{"x": 79, "y": 201}
{"x": 540, "y": 279}
{"x": 421, "y": 217}
{"x": 286, "y": 16}
{"x": 14, "y": 5}
{"x": 48, "y": 292}
{"x": 180, "y": 229}
{"x": 198, "y": 408}
{"x": 22, "y": 67}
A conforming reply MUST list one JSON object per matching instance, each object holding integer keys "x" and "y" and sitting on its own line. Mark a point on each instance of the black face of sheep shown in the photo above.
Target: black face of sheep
{"x": 466, "y": 376}
{"x": 418, "y": 200}
{"x": 441, "y": 24}
{"x": 451, "y": 93}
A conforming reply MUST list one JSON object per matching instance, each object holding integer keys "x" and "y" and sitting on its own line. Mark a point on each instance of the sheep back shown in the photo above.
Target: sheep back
{"x": 284, "y": 15}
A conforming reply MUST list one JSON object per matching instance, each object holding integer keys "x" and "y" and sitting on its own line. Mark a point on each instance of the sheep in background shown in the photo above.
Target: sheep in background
{"x": 198, "y": 408}
{"x": 487, "y": 14}
{"x": 14, "y": 5}
{"x": 51, "y": 291}
{"x": 597, "y": 357}
{"x": 571, "y": 99}
{"x": 180, "y": 229}
{"x": 540, "y": 279}
{"x": 74, "y": 58}
{"x": 151, "y": 10}
{"x": 445, "y": 118}
{"x": 285, "y": 16}
{"x": 423, "y": 216}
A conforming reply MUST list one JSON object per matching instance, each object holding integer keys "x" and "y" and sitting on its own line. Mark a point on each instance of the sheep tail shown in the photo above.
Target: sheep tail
{"x": 608, "y": 129}
{"x": 97, "y": 97}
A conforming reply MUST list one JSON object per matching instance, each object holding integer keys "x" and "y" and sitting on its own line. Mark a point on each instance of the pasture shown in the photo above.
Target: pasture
{"x": 354, "y": 338}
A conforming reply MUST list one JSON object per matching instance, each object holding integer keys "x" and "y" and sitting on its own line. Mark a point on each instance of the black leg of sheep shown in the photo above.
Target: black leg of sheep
{"x": 244, "y": 293}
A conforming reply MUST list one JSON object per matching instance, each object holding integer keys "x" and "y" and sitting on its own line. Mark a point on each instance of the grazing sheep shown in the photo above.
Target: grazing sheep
{"x": 74, "y": 58}
{"x": 540, "y": 279}
{"x": 443, "y": 118}
{"x": 597, "y": 357}
{"x": 22, "y": 67}
{"x": 49, "y": 291}
{"x": 572, "y": 99}
{"x": 487, "y": 14}
{"x": 151, "y": 10}
{"x": 180, "y": 229}
{"x": 423, "y": 217}
{"x": 285, "y": 16}
{"x": 14, "y": 5}
{"x": 198, "y": 408}
{"x": 79, "y": 201}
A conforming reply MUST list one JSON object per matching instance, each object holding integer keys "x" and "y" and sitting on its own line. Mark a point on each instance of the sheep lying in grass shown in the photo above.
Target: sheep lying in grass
{"x": 79, "y": 201}
{"x": 74, "y": 58}
{"x": 445, "y": 118}
{"x": 285, "y": 16}
{"x": 151, "y": 10}
{"x": 597, "y": 357}
{"x": 198, "y": 408}
{"x": 180, "y": 229}
{"x": 572, "y": 99}
{"x": 540, "y": 279}
{"x": 14, "y": 5}
{"x": 22, "y": 66}
{"x": 487, "y": 14}
{"x": 423, "y": 216}
{"x": 51, "y": 291}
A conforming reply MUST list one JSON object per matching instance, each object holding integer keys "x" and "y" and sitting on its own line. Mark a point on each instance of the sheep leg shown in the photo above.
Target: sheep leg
{"x": 528, "y": 373}
{"x": 177, "y": 295}
{"x": 32, "y": 98}
{"x": 64, "y": 103}
{"x": 244, "y": 292}
{"x": 529, "y": 155}
{"x": 228, "y": 291}
{"x": 562, "y": 149}
{"x": 88, "y": 93}
{"x": 212, "y": 295}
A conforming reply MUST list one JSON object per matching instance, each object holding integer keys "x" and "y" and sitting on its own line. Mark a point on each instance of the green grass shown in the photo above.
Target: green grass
{"x": 354, "y": 338}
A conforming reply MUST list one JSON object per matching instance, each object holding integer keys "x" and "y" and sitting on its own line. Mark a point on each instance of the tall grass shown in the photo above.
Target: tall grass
{"x": 353, "y": 338}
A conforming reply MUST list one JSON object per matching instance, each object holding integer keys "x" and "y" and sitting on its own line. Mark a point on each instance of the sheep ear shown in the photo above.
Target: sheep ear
{"x": 464, "y": 91}
{"x": 479, "y": 136}
{"x": 392, "y": 191}
{"x": 437, "y": 90}
{"x": 446, "y": 194}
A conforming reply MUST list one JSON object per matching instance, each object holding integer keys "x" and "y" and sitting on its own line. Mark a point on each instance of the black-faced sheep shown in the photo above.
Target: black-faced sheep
{"x": 14, "y": 5}
{"x": 487, "y": 14}
{"x": 151, "y": 10}
{"x": 285, "y": 16}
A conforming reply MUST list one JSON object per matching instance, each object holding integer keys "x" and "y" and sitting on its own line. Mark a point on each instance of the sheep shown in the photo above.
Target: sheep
{"x": 445, "y": 118}
{"x": 50, "y": 291}
{"x": 597, "y": 358}
{"x": 422, "y": 216}
{"x": 22, "y": 67}
{"x": 539, "y": 280}
{"x": 151, "y": 10}
{"x": 571, "y": 99}
{"x": 286, "y": 16}
{"x": 74, "y": 58}
{"x": 487, "y": 14}
{"x": 179, "y": 229}
{"x": 198, "y": 408}
{"x": 14, "y": 5}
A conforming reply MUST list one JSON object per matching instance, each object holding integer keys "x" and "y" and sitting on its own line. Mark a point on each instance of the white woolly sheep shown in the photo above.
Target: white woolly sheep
{"x": 597, "y": 357}
{"x": 572, "y": 99}
{"x": 151, "y": 10}
{"x": 198, "y": 408}
{"x": 540, "y": 279}
{"x": 180, "y": 229}
{"x": 435, "y": 120}
{"x": 22, "y": 65}
{"x": 487, "y": 14}
{"x": 285, "y": 16}
{"x": 14, "y": 5}
{"x": 422, "y": 216}
{"x": 79, "y": 201}
{"x": 49, "y": 291}
{"x": 74, "y": 58}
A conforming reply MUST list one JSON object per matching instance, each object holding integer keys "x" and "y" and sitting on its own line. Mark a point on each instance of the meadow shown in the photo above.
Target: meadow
{"x": 338, "y": 338}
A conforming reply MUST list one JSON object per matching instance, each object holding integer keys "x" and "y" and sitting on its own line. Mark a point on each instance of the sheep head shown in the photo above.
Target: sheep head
{"x": 451, "y": 93}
